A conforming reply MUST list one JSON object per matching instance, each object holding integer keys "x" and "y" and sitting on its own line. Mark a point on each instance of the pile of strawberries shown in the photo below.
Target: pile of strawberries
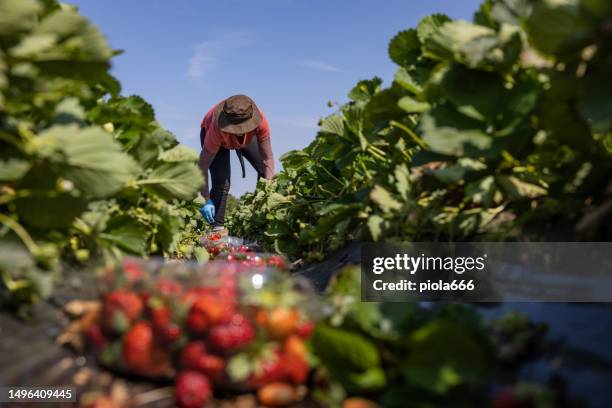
{"x": 216, "y": 244}
{"x": 207, "y": 333}
{"x": 253, "y": 260}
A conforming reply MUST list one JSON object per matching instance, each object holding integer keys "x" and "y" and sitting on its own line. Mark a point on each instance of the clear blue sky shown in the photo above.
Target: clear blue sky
{"x": 290, "y": 56}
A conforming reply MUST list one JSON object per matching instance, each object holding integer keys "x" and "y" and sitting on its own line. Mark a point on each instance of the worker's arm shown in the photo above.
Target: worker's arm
{"x": 205, "y": 160}
{"x": 265, "y": 149}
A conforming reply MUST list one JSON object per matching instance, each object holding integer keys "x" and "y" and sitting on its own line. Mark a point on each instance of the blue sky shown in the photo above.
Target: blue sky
{"x": 290, "y": 56}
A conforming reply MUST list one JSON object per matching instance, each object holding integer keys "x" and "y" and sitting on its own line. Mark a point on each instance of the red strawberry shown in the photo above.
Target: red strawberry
{"x": 194, "y": 357}
{"x": 138, "y": 347}
{"x": 270, "y": 370}
{"x": 95, "y": 336}
{"x": 277, "y": 261}
{"x": 132, "y": 269}
{"x": 161, "y": 316}
{"x": 233, "y": 335}
{"x": 195, "y": 293}
{"x": 165, "y": 328}
{"x": 191, "y": 354}
{"x": 192, "y": 390}
{"x": 121, "y": 308}
{"x": 305, "y": 328}
{"x": 197, "y": 318}
{"x": 209, "y": 310}
{"x": 142, "y": 355}
{"x": 171, "y": 333}
{"x": 295, "y": 359}
{"x": 212, "y": 366}
{"x": 168, "y": 287}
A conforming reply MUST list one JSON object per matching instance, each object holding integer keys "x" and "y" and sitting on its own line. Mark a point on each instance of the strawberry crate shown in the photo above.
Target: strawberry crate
{"x": 231, "y": 325}
{"x": 216, "y": 244}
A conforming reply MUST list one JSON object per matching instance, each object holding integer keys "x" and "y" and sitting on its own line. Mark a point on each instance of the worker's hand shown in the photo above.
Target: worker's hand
{"x": 208, "y": 211}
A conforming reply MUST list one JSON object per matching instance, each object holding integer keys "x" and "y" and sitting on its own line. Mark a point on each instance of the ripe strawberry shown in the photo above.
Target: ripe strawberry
{"x": 192, "y": 390}
{"x": 141, "y": 354}
{"x": 121, "y": 308}
{"x": 191, "y": 354}
{"x": 194, "y": 357}
{"x": 295, "y": 359}
{"x": 170, "y": 333}
{"x": 277, "y": 261}
{"x": 270, "y": 370}
{"x": 160, "y": 316}
{"x": 212, "y": 366}
{"x": 95, "y": 336}
{"x": 168, "y": 287}
{"x": 305, "y": 328}
{"x": 138, "y": 347}
{"x": 282, "y": 322}
{"x": 165, "y": 328}
{"x": 233, "y": 335}
{"x": 197, "y": 322}
{"x": 195, "y": 293}
{"x": 209, "y": 310}
{"x": 132, "y": 269}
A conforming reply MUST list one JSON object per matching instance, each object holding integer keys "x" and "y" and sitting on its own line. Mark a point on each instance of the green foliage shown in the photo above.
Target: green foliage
{"x": 84, "y": 171}
{"x": 435, "y": 355}
{"x": 489, "y": 128}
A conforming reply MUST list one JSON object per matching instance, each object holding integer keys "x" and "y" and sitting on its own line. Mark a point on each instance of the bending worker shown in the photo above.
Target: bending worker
{"x": 233, "y": 124}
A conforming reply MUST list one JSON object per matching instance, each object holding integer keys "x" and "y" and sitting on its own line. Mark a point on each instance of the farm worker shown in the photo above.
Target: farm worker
{"x": 233, "y": 124}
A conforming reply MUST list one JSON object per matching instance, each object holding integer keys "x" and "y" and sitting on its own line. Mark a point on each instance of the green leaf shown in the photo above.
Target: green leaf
{"x": 375, "y": 225}
{"x": 384, "y": 199}
{"x": 475, "y": 46}
{"x": 407, "y": 81}
{"x": 78, "y": 48}
{"x": 365, "y": 89}
{"x": 179, "y": 153}
{"x": 180, "y": 180}
{"x": 481, "y": 191}
{"x": 429, "y": 25}
{"x": 443, "y": 355}
{"x": 457, "y": 171}
{"x": 350, "y": 348}
{"x": 333, "y": 124}
{"x": 351, "y": 358}
{"x": 518, "y": 189}
{"x": 69, "y": 111}
{"x": 555, "y": 25}
{"x": 13, "y": 168}
{"x": 411, "y": 105}
{"x": 17, "y": 16}
{"x": 127, "y": 234}
{"x": 404, "y": 48}
{"x": 89, "y": 157}
{"x": 595, "y": 105}
{"x": 50, "y": 210}
{"x": 511, "y": 11}
{"x": 146, "y": 150}
{"x": 402, "y": 179}
{"x": 448, "y": 132}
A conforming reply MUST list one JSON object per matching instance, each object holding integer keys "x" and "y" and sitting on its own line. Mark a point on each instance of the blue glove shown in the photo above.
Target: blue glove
{"x": 208, "y": 211}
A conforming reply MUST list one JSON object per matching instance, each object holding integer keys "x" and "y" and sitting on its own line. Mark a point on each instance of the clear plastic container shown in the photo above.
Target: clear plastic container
{"x": 237, "y": 321}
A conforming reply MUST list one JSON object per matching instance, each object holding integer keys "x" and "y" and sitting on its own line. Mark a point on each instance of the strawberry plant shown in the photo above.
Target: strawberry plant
{"x": 85, "y": 173}
{"x": 490, "y": 129}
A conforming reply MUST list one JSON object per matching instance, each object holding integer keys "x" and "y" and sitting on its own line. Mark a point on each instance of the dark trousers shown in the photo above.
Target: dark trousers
{"x": 221, "y": 171}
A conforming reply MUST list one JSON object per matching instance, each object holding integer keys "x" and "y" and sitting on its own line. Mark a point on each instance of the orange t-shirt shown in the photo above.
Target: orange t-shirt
{"x": 215, "y": 138}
